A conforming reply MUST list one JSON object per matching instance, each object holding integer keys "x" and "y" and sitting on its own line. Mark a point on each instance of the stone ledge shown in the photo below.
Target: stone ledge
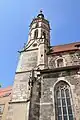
{"x": 12, "y": 102}
{"x": 60, "y": 69}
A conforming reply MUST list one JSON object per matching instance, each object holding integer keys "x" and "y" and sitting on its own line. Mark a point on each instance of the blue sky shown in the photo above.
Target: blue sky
{"x": 15, "y": 18}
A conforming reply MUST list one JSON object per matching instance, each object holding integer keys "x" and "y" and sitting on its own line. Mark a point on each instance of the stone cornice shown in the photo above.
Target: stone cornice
{"x": 15, "y": 102}
{"x": 60, "y": 69}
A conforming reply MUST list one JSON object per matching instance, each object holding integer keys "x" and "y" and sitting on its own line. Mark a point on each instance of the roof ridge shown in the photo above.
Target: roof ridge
{"x": 65, "y": 44}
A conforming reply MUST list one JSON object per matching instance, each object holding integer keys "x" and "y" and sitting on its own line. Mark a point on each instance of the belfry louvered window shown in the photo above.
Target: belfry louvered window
{"x": 63, "y": 102}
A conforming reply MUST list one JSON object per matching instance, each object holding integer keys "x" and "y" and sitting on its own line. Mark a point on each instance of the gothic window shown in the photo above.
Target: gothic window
{"x": 43, "y": 35}
{"x": 60, "y": 62}
{"x": 36, "y": 34}
{"x": 63, "y": 102}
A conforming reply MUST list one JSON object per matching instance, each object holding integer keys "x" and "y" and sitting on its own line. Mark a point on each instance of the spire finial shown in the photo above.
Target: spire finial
{"x": 40, "y": 15}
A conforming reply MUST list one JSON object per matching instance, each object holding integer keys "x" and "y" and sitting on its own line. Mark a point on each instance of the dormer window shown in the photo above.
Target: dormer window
{"x": 78, "y": 46}
{"x": 36, "y": 34}
{"x": 60, "y": 62}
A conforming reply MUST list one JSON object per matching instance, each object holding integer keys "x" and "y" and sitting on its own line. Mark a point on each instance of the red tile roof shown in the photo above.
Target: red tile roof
{"x": 65, "y": 47}
{"x": 5, "y": 91}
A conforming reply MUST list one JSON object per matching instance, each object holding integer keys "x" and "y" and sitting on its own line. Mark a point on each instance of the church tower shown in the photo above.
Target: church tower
{"x": 33, "y": 57}
{"x": 47, "y": 79}
{"x": 37, "y": 45}
{"x": 39, "y": 37}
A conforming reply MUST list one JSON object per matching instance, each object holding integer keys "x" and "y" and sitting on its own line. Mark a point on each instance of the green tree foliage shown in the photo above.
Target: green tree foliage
{"x": 0, "y": 85}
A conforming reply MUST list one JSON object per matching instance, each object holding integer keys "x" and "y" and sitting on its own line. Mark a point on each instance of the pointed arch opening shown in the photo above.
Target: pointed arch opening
{"x": 44, "y": 35}
{"x": 35, "y": 34}
{"x": 63, "y": 101}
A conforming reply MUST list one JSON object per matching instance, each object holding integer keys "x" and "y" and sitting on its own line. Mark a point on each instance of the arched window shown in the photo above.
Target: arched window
{"x": 36, "y": 34}
{"x": 60, "y": 62}
{"x": 36, "y": 25}
{"x": 63, "y": 102}
{"x": 43, "y": 35}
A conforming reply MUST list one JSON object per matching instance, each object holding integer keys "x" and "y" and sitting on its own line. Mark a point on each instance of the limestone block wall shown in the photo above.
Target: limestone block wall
{"x": 19, "y": 104}
{"x": 18, "y": 111}
{"x": 21, "y": 87}
{"x": 47, "y": 106}
{"x": 27, "y": 61}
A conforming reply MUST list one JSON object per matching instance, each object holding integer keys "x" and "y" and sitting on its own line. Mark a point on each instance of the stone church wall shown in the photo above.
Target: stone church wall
{"x": 19, "y": 104}
{"x": 70, "y": 59}
{"x": 47, "y": 104}
{"x": 20, "y": 88}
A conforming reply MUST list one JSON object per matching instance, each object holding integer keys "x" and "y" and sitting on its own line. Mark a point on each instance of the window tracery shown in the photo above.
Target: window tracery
{"x": 63, "y": 102}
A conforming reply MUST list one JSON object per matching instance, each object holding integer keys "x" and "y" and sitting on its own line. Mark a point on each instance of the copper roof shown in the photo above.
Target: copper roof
{"x": 65, "y": 47}
{"x": 5, "y": 91}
